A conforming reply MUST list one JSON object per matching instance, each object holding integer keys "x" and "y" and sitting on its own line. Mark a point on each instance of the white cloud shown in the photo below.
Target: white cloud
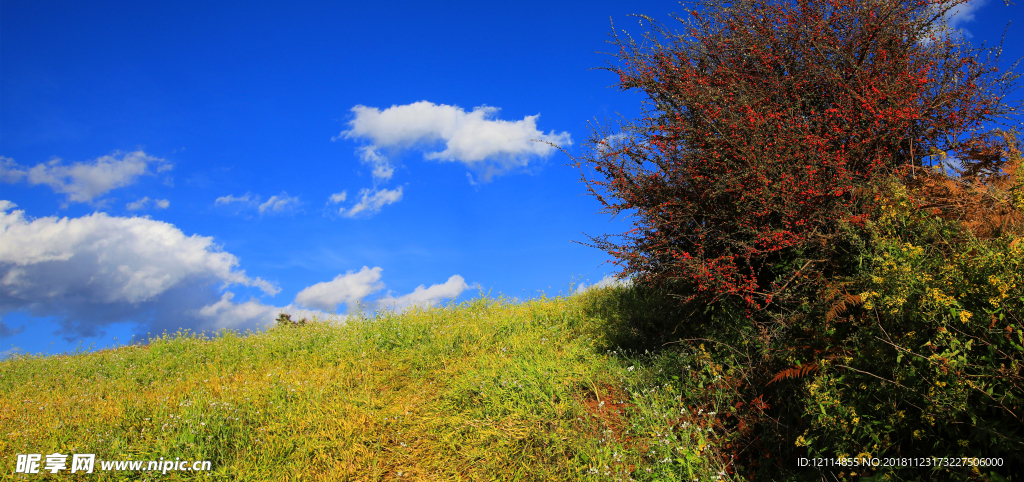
{"x": 138, "y": 205}
{"x": 382, "y": 170}
{"x": 476, "y": 139}
{"x": 349, "y": 288}
{"x": 99, "y": 269}
{"x": 606, "y": 282}
{"x": 145, "y": 202}
{"x": 352, "y": 288}
{"x": 247, "y": 198}
{"x": 427, "y": 297}
{"x": 279, "y": 204}
{"x": 10, "y": 171}
{"x": 85, "y": 181}
{"x": 324, "y": 298}
{"x": 253, "y": 314}
{"x": 950, "y": 24}
{"x": 225, "y": 313}
{"x": 337, "y": 197}
{"x": 963, "y": 13}
{"x": 372, "y": 201}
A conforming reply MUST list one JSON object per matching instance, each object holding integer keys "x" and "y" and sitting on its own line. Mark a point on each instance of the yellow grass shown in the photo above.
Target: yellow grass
{"x": 485, "y": 390}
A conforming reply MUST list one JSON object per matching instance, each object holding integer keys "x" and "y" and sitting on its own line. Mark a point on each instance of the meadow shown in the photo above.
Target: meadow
{"x": 562, "y": 388}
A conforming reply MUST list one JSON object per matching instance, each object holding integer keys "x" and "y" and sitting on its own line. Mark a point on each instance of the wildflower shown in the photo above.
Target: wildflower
{"x": 964, "y": 316}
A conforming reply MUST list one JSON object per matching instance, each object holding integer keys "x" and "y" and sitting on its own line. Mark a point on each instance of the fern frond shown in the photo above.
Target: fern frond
{"x": 838, "y": 300}
{"x": 794, "y": 372}
{"x": 840, "y": 306}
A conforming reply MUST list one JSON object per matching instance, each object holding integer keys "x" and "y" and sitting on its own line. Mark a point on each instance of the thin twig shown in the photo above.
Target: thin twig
{"x": 930, "y": 399}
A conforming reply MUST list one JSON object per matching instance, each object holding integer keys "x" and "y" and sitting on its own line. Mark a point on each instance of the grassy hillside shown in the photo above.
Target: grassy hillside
{"x": 486, "y": 390}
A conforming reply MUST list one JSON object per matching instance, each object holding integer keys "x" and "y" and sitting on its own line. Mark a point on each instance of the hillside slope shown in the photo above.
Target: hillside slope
{"x": 486, "y": 390}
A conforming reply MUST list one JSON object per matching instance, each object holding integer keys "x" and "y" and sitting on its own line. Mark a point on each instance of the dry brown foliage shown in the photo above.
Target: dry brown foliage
{"x": 794, "y": 372}
{"x": 986, "y": 193}
{"x": 838, "y": 300}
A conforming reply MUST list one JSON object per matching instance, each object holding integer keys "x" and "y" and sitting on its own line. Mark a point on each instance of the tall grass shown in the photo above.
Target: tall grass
{"x": 548, "y": 389}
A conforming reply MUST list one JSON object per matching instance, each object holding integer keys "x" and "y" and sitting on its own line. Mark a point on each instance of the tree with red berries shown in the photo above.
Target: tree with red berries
{"x": 765, "y": 121}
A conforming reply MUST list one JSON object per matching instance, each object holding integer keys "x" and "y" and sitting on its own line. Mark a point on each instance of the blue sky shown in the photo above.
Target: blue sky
{"x": 207, "y": 165}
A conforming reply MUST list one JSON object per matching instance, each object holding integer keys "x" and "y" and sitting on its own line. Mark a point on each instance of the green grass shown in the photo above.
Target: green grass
{"x": 484, "y": 390}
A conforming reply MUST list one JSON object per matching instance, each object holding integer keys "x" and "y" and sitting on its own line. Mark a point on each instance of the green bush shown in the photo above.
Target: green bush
{"x": 916, "y": 352}
{"x": 926, "y": 362}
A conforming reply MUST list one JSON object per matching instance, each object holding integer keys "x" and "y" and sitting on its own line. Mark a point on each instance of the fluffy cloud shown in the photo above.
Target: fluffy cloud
{"x": 427, "y": 297}
{"x": 99, "y": 269}
{"x": 349, "y": 288}
{"x": 475, "y": 138}
{"x": 226, "y": 314}
{"x": 145, "y": 202}
{"x": 352, "y": 288}
{"x": 85, "y": 181}
{"x": 372, "y": 201}
{"x": 324, "y": 298}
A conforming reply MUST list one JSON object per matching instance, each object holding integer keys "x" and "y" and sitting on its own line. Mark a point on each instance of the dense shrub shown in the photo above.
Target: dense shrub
{"x": 926, "y": 358}
{"x": 792, "y": 187}
{"x": 916, "y": 353}
{"x": 764, "y": 120}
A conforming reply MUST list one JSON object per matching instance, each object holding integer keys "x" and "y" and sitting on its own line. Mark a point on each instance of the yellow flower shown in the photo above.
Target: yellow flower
{"x": 964, "y": 316}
